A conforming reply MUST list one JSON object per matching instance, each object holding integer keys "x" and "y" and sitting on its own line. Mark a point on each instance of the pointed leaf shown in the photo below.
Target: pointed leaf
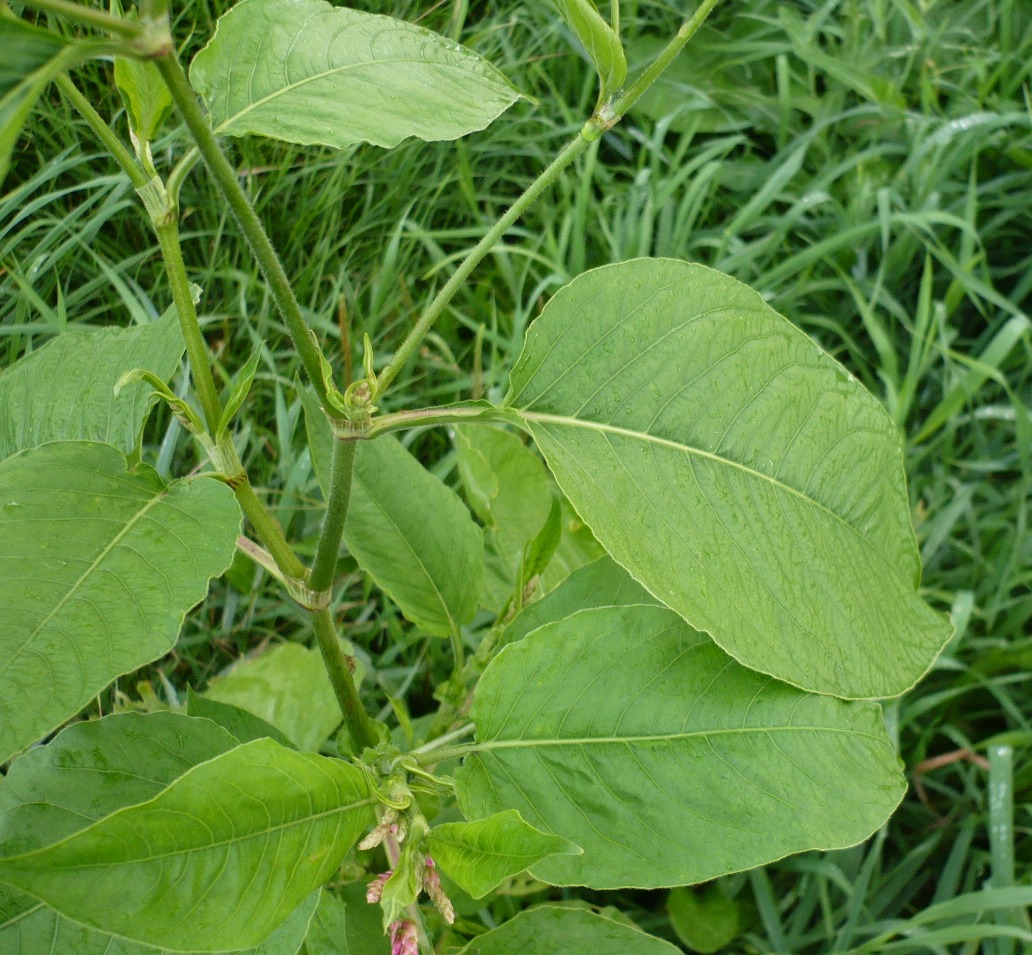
{"x": 93, "y": 769}
{"x": 98, "y": 567}
{"x": 414, "y": 537}
{"x": 214, "y": 862}
{"x": 477, "y": 856}
{"x": 66, "y": 389}
{"x": 307, "y": 72}
{"x": 632, "y": 735}
{"x": 287, "y": 686}
{"x": 243, "y": 725}
{"x": 553, "y": 928}
{"x": 600, "y": 41}
{"x": 28, "y": 926}
{"x": 511, "y": 491}
{"x": 736, "y": 470}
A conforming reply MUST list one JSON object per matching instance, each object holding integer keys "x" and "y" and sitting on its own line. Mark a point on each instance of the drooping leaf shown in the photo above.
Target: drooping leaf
{"x": 32, "y": 58}
{"x": 705, "y": 921}
{"x": 600, "y": 41}
{"x": 287, "y": 686}
{"x": 65, "y": 390}
{"x": 307, "y": 72}
{"x": 243, "y": 725}
{"x": 736, "y": 470}
{"x": 414, "y": 537}
{"x": 510, "y": 490}
{"x": 216, "y": 861}
{"x": 348, "y": 927}
{"x": 602, "y": 583}
{"x": 98, "y": 566}
{"x": 27, "y": 926}
{"x": 553, "y": 928}
{"x": 479, "y": 855}
{"x": 93, "y": 769}
{"x": 632, "y": 735}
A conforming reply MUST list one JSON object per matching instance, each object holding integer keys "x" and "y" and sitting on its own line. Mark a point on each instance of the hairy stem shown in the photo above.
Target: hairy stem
{"x": 325, "y": 565}
{"x": 225, "y": 178}
{"x": 360, "y": 727}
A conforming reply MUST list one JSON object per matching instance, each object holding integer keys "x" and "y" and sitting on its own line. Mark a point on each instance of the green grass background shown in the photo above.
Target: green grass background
{"x": 865, "y": 164}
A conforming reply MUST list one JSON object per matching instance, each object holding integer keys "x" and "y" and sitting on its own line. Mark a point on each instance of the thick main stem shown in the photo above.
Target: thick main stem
{"x": 225, "y": 179}
{"x": 360, "y": 727}
{"x": 325, "y": 565}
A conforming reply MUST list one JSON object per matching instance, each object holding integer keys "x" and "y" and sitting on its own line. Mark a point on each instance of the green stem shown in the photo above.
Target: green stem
{"x": 664, "y": 58}
{"x": 167, "y": 230}
{"x": 359, "y": 725}
{"x": 603, "y": 120}
{"x": 325, "y": 566}
{"x": 225, "y": 178}
{"x": 476, "y": 255}
{"x": 119, "y": 151}
{"x": 268, "y": 530}
{"x": 430, "y": 417}
{"x": 88, "y": 16}
{"x": 445, "y": 753}
{"x": 441, "y": 741}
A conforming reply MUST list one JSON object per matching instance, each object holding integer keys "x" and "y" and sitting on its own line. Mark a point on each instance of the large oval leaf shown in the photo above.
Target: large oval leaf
{"x": 736, "y": 470}
{"x": 306, "y": 72}
{"x": 632, "y": 735}
{"x": 214, "y": 862}
{"x": 98, "y": 566}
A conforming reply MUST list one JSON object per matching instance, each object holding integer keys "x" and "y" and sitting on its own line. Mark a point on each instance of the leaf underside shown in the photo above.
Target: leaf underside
{"x": 98, "y": 566}
{"x": 632, "y": 735}
{"x": 736, "y": 470}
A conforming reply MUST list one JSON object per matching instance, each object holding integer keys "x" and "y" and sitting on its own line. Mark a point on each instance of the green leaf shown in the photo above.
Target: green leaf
{"x": 243, "y": 725}
{"x": 602, "y": 583}
{"x": 27, "y": 926}
{"x": 306, "y": 72}
{"x": 238, "y": 393}
{"x": 705, "y": 921}
{"x": 632, "y": 735}
{"x": 32, "y": 58}
{"x": 89, "y": 771}
{"x": 349, "y": 927}
{"x": 286, "y": 686}
{"x": 66, "y": 389}
{"x": 216, "y": 861}
{"x": 478, "y": 856}
{"x": 553, "y": 928}
{"x": 736, "y": 470}
{"x": 510, "y": 490}
{"x": 98, "y": 567}
{"x": 414, "y": 537}
{"x": 600, "y": 41}
{"x": 93, "y": 769}
{"x": 147, "y": 99}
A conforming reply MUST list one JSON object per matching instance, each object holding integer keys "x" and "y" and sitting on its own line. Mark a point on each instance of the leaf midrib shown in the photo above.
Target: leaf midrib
{"x": 663, "y": 737}
{"x": 605, "y": 428}
{"x": 81, "y": 582}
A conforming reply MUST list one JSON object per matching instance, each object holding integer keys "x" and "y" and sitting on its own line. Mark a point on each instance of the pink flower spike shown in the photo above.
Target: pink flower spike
{"x": 404, "y": 938}
{"x": 432, "y": 886}
{"x": 374, "y": 891}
